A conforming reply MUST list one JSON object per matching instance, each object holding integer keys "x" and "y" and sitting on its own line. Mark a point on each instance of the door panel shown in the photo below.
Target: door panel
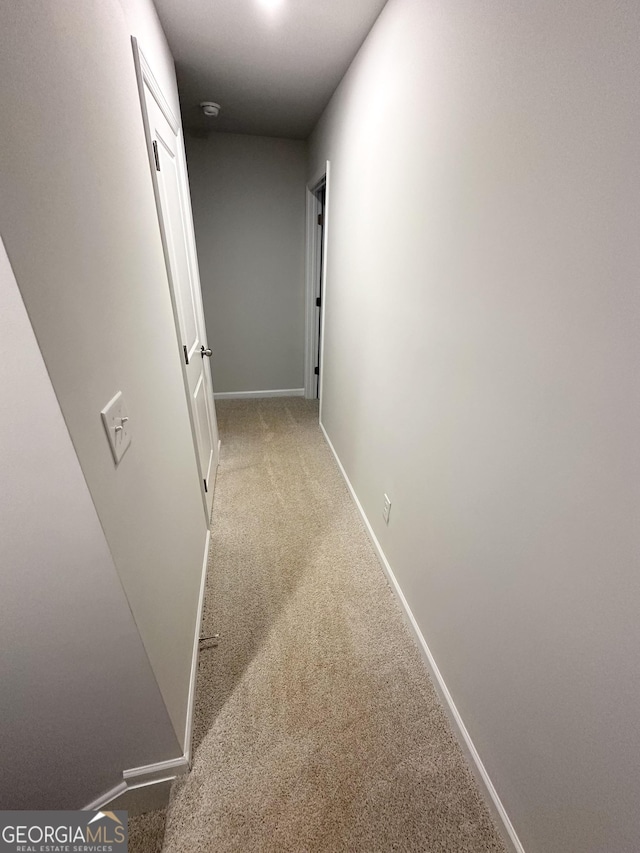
{"x": 172, "y": 207}
{"x": 177, "y": 233}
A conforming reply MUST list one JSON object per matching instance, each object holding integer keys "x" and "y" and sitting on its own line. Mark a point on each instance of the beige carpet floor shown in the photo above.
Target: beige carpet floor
{"x": 317, "y": 727}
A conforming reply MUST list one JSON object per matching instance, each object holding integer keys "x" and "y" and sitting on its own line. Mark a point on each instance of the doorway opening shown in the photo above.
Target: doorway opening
{"x": 316, "y": 256}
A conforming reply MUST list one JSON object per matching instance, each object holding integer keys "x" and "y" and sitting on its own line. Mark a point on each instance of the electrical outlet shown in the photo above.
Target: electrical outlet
{"x": 387, "y": 509}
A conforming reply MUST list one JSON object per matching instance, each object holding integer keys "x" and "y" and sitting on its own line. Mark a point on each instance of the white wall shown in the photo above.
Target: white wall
{"x": 481, "y": 357}
{"x": 248, "y": 195}
{"x": 79, "y": 702}
{"x": 78, "y": 216}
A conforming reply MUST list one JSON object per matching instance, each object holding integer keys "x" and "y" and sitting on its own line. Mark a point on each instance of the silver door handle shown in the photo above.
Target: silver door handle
{"x": 205, "y": 351}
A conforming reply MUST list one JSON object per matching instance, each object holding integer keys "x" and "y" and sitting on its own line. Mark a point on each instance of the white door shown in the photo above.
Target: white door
{"x": 171, "y": 187}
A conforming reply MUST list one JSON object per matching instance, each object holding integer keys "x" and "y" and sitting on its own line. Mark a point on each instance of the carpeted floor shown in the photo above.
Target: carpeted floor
{"x": 317, "y": 727}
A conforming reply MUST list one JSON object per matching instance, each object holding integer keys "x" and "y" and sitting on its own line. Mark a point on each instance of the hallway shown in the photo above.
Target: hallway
{"x": 317, "y": 727}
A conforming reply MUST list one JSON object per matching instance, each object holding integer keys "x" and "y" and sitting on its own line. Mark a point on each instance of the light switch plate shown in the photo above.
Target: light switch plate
{"x": 116, "y": 423}
{"x": 386, "y": 509}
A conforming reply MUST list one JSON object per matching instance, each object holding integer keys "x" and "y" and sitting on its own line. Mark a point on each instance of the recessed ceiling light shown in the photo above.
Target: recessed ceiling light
{"x": 270, "y": 5}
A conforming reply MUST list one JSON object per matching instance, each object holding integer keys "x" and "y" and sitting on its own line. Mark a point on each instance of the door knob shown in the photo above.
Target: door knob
{"x": 205, "y": 351}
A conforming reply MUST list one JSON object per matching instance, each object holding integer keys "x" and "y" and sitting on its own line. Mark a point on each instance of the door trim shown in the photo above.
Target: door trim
{"x": 313, "y": 263}
{"x": 144, "y": 76}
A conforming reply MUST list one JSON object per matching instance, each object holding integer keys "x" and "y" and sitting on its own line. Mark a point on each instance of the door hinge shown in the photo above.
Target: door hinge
{"x": 320, "y": 219}
{"x": 186, "y": 357}
{"x": 155, "y": 155}
{"x": 318, "y": 302}
{"x": 205, "y": 486}
{"x": 316, "y": 370}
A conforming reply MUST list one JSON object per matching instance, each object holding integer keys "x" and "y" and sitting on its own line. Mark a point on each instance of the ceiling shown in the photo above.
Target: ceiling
{"x": 272, "y": 70}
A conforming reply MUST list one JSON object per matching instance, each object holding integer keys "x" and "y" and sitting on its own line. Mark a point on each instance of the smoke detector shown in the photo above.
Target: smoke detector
{"x": 209, "y": 108}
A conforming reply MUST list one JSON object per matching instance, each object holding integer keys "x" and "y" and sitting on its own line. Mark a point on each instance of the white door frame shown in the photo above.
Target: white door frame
{"x": 313, "y": 262}
{"x": 145, "y": 76}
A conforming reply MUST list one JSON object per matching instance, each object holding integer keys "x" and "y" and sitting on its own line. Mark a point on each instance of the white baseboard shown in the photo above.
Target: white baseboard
{"x": 240, "y": 395}
{"x": 498, "y": 809}
{"x": 105, "y": 798}
{"x": 164, "y": 772}
{"x": 142, "y": 777}
{"x": 151, "y": 773}
{"x": 196, "y": 653}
